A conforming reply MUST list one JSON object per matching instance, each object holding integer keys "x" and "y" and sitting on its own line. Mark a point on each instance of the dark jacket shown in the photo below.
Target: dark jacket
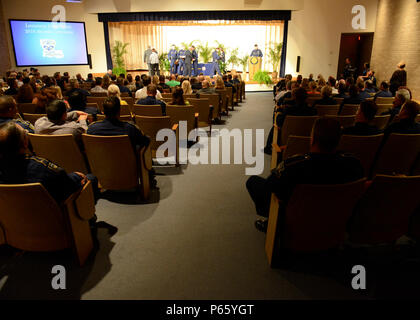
{"x": 151, "y": 101}
{"x": 362, "y": 129}
{"x": 295, "y": 110}
{"x": 404, "y": 126}
{"x": 325, "y": 101}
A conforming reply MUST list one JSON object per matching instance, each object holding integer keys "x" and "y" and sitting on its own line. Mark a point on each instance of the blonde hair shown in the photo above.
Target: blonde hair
{"x": 186, "y": 87}
{"x": 155, "y": 80}
{"x": 113, "y": 90}
{"x": 219, "y": 83}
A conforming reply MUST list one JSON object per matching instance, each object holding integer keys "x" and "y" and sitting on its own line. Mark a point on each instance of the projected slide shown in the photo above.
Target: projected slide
{"x": 43, "y": 43}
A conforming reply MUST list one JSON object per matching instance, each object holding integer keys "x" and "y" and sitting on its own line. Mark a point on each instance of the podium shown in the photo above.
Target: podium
{"x": 254, "y": 65}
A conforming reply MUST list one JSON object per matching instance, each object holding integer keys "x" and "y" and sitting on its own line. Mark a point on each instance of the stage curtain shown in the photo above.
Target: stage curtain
{"x": 140, "y": 34}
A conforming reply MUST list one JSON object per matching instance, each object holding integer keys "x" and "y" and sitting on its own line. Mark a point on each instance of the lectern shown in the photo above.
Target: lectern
{"x": 254, "y": 65}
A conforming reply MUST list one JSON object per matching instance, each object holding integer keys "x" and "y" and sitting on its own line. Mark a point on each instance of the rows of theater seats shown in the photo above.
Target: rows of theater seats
{"x": 379, "y": 209}
{"x": 100, "y": 156}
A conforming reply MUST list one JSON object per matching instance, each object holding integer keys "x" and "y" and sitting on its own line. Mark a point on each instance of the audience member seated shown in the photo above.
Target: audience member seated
{"x": 363, "y": 94}
{"x": 206, "y": 88}
{"x": 13, "y": 87}
{"x": 151, "y": 99}
{"x": 369, "y": 88}
{"x": 59, "y": 121}
{"x": 122, "y": 87}
{"x": 79, "y": 78}
{"x": 173, "y": 82}
{"x": 323, "y": 165}
{"x": 326, "y": 100}
{"x": 77, "y": 102}
{"x": 235, "y": 79}
{"x": 18, "y": 166}
{"x": 313, "y": 88}
{"x": 106, "y": 82}
{"x": 332, "y": 82}
{"x": 228, "y": 84}
{"x": 98, "y": 86}
{"x": 114, "y": 91}
{"x": 45, "y": 97}
{"x": 354, "y": 97}
{"x": 90, "y": 78}
{"x": 284, "y": 94}
{"x": 342, "y": 90}
{"x": 139, "y": 83}
{"x": 383, "y": 91}
{"x": 407, "y": 120}
{"x": 278, "y": 88}
{"x": 162, "y": 83}
{"x": 142, "y": 93}
{"x": 364, "y": 117}
{"x": 195, "y": 84}
{"x": 25, "y": 92}
{"x": 178, "y": 98}
{"x": 401, "y": 97}
{"x": 8, "y": 112}
{"x": 74, "y": 86}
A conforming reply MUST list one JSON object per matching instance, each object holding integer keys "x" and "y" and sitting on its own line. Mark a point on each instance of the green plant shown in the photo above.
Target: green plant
{"x": 204, "y": 51}
{"x": 262, "y": 77}
{"x": 233, "y": 58}
{"x": 222, "y": 66}
{"x": 188, "y": 45}
{"x": 164, "y": 63}
{"x": 221, "y": 45}
{"x": 244, "y": 62}
{"x": 274, "y": 55}
{"x": 119, "y": 49}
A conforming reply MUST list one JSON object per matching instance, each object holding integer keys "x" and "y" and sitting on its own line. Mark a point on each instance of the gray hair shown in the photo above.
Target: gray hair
{"x": 403, "y": 95}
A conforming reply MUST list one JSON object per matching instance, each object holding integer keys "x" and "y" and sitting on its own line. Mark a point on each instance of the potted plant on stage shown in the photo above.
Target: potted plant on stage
{"x": 233, "y": 58}
{"x": 274, "y": 56}
{"x": 263, "y": 77}
{"x": 204, "y": 52}
{"x": 118, "y": 51}
{"x": 164, "y": 63}
{"x": 244, "y": 63}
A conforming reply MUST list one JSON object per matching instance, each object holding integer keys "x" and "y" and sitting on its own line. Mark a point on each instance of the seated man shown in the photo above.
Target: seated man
{"x": 74, "y": 86}
{"x": 18, "y": 166}
{"x": 353, "y": 98}
{"x": 8, "y": 112}
{"x": 206, "y": 88}
{"x": 228, "y": 84}
{"x": 369, "y": 88}
{"x": 383, "y": 91}
{"x": 151, "y": 100}
{"x": 142, "y": 93}
{"x": 401, "y": 97}
{"x": 77, "y": 102}
{"x": 323, "y": 165}
{"x": 407, "y": 120}
{"x": 13, "y": 87}
{"x": 58, "y": 121}
{"x": 122, "y": 87}
{"x": 112, "y": 126}
{"x": 326, "y": 100}
{"x": 364, "y": 116}
{"x": 162, "y": 83}
{"x": 172, "y": 82}
{"x": 195, "y": 84}
{"x": 342, "y": 90}
{"x": 98, "y": 86}
{"x": 363, "y": 93}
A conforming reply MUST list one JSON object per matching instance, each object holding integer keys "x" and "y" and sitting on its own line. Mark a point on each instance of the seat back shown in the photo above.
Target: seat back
{"x": 381, "y": 121}
{"x": 224, "y": 98}
{"x": 385, "y": 100}
{"x": 98, "y": 100}
{"x": 30, "y": 108}
{"x": 229, "y": 95}
{"x": 345, "y": 121}
{"x": 202, "y": 107}
{"x": 383, "y": 108}
{"x": 182, "y": 113}
{"x": 297, "y": 126}
{"x": 99, "y": 94}
{"x": 31, "y": 219}
{"x": 362, "y": 147}
{"x": 349, "y": 110}
{"x": 383, "y": 213}
{"x": 92, "y": 105}
{"x": 147, "y": 110}
{"x": 339, "y": 101}
{"x": 167, "y": 95}
{"x": 398, "y": 155}
{"x": 130, "y": 101}
{"x": 214, "y": 100}
{"x": 151, "y": 126}
{"x": 124, "y": 117}
{"x": 316, "y": 215}
{"x": 311, "y": 100}
{"x": 32, "y": 118}
{"x": 297, "y": 146}
{"x": 112, "y": 160}
{"x": 62, "y": 150}
{"x": 327, "y": 110}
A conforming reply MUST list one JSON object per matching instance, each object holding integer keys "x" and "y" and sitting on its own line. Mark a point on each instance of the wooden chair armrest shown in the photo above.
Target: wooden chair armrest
{"x": 175, "y": 127}
{"x": 83, "y": 201}
{"x": 146, "y": 154}
{"x": 196, "y": 115}
{"x": 278, "y": 148}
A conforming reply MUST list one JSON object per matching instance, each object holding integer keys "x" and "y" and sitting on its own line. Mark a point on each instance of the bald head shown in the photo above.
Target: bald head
{"x": 13, "y": 141}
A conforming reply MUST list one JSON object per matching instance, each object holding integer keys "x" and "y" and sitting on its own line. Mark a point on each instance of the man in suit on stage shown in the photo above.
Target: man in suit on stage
{"x": 181, "y": 61}
{"x": 172, "y": 57}
{"x": 256, "y": 52}
{"x": 146, "y": 58}
{"x": 216, "y": 58}
{"x": 194, "y": 61}
{"x": 188, "y": 62}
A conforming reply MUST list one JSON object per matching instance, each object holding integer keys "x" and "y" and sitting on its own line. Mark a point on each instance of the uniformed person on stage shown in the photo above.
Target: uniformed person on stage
{"x": 188, "y": 62}
{"x": 181, "y": 61}
{"x": 194, "y": 61}
{"x": 256, "y": 52}
{"x": 216, "y": 59}
{"x": 323, "y": 165}
{"x": 172, "y": 57}
{"x": 146, "y": 58}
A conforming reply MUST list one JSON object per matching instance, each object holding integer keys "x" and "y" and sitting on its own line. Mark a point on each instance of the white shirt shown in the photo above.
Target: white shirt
{"x": 154, "y": 58}
{"x": 142, "y": 93}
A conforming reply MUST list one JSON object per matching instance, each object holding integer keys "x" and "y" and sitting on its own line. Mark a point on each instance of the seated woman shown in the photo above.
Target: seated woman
{"x": 186, "y": 87}
{"x": 178, "y": 98}
{"x": 326, "y": 100}
{"x": 114, "y": 91}
{"x": 220, "y": 85}
{"x": 44, "y": 98}
{"x": 25, "y": 92}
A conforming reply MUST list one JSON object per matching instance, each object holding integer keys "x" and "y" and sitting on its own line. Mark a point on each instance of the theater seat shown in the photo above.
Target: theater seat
{"x": 147, "y": 110}
{"x": 382, "y": 214}
{"x": 202, "y": 107}
{"x": 47, "y": 226}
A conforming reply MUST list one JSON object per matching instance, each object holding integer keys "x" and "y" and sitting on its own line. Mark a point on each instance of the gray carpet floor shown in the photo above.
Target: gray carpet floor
{"x": 197, "y": 242}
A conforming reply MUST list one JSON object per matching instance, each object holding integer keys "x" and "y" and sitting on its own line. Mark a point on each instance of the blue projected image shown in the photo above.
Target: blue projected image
{"x": 41, "y": 43}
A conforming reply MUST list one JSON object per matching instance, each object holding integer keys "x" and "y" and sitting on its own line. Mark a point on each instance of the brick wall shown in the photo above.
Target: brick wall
{"x": 397, "y": 37}
{"x": 5, "y": 58}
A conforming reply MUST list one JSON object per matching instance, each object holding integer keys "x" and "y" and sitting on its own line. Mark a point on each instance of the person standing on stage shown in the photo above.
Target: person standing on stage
{"x": 256, "y": 52}
{"x": 216, "y": 58}
{"x": 348, "y": 70}
{"x": 172, "y": 57}
{"x": 154, "y": 62}
{"x": 194, "y": 61}
{"x": 146, "y": 58}
{"x": 398, "y": 79}
{"x": 181, "y": 61}
{"x": 188, "y": 62}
